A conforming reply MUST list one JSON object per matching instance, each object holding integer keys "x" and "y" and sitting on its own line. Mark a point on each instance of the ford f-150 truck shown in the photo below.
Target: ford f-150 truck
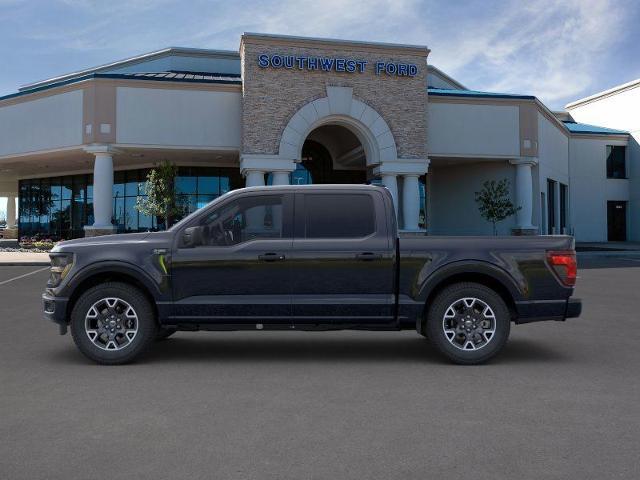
{"x": 321, "y": 257}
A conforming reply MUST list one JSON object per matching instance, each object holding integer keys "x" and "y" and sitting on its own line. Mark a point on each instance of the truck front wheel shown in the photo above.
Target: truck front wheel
{"x": 113, "y": 323}
{"x": 468, "y": 322}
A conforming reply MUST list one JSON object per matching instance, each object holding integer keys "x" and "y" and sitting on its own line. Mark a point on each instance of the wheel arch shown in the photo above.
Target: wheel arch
{"x": 487, "y": 275}
{"x": 112, "y": 272}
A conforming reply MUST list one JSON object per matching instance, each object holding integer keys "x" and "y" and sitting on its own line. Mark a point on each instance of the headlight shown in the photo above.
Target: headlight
{"x": 61, "y": 263}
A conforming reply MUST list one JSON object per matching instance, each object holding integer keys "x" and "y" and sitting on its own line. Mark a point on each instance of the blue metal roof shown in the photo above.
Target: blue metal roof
{"x": 585, "y": 128}
{"x": 188, "y": 77}
{"x": 445, "y": 92}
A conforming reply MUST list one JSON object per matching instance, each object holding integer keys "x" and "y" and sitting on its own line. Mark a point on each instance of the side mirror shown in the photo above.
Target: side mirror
{"x": 192, "y": 237}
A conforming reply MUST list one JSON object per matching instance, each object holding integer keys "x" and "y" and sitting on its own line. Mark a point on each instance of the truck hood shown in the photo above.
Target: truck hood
{"x": 117, "y": 240}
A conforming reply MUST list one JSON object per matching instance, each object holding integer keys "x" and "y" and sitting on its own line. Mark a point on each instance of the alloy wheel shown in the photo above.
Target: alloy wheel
{"x": 469, "y": 324}
{"x": 111, "y": 324}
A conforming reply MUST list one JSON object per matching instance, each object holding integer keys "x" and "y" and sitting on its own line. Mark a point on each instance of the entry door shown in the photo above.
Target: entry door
{"x": 239, "y": 271}
{"x": 342, "y": 266}
{"x": 617, "y": 221}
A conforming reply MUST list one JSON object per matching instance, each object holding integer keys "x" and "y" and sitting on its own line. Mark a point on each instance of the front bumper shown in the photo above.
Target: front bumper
{"x": 55, "y": 310}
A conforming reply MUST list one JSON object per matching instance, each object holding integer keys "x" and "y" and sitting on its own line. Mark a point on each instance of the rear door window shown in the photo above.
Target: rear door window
{"x": 339, "y": 215}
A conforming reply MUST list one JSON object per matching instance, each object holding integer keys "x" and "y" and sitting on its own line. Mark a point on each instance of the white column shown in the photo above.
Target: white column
{"x": 280, "y": 178}
{"x": 102, "y": 190}
{"x": 524, "y": 192}
{"x": 410, "y": 202}
{"x": 389, "y": 180}
{"x": 11, "y": 212}
{"x": 410, "y": 170}
{"x": 254, "y": 178}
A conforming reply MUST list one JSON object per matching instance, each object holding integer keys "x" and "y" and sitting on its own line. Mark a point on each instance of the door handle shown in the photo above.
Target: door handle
{"x": 368, "y": 256}
{"x": 271, "y": 257}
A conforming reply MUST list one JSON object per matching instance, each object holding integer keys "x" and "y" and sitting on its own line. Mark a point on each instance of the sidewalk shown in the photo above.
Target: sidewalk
{"x": 23, "y": 258}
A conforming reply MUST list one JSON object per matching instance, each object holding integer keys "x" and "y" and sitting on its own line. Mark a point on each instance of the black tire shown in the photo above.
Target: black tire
{"x": 164, "y": 333}
{"x": 456, "y": 348}
{"x": 146, "y": 323}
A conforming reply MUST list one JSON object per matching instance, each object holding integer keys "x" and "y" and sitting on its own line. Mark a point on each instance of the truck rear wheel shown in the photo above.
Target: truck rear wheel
{"x": 468, "y": 322}
{"x": 113, "y": 323}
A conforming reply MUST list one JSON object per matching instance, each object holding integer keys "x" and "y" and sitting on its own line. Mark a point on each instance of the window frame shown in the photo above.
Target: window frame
{"x": 203, "y": 213}
{"x": 608, "y": 150}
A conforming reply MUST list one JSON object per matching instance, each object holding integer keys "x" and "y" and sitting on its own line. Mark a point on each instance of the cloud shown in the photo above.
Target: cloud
{"x": 547, "y": 48}
{"x": 557, "y": 50}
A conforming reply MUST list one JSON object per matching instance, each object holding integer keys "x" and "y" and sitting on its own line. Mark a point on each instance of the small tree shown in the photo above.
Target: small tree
{"x": 161, "y": 199}
{"x": 494, "y": 202}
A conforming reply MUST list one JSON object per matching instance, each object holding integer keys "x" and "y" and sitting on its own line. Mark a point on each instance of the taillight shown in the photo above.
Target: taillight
{"x": 565, "y": 265}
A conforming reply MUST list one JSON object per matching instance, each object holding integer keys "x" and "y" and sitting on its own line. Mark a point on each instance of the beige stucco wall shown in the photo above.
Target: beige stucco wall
{"x": 467, "y": 129}
{"x": 271, "y": 96}
{"x": 177, "y": 117}
{"x": 54, "y": 121}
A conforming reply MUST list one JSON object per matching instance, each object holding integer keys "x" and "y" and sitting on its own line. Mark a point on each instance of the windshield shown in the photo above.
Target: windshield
{"x": 198, "y": 212}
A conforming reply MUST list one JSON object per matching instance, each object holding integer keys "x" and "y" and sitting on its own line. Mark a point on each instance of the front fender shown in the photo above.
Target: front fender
{"x": 155, "y": 281}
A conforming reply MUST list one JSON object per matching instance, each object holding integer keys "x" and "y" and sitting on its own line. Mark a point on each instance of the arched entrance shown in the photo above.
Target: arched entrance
{"x": 331, "y": 154}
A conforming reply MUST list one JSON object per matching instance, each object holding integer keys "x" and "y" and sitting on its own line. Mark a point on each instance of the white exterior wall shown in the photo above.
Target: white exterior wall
{"x": 42, "y": 124}
{"x": 590, "y": 188}
{"x": 189, "y": 118}
{"x": 451, "y": 198}
{"x": 467, "y": 130}
{"x": 620, "y": 111}
{"x": 553, "y": 163}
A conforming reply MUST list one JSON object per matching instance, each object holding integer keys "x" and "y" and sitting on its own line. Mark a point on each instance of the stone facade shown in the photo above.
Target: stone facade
{"x": 271, "y": 96}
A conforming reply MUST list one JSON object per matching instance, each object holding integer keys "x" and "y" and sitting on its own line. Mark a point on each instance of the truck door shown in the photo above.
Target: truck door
{"x": 342, "y": 261}
{"x": 238, "y": 272}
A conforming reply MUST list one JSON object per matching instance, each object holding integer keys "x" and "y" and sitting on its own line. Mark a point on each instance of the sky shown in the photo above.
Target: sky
{"x": 557, "y": 50}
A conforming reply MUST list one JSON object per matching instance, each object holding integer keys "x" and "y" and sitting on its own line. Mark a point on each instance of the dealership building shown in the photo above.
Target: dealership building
{"x": 75, "y": 149}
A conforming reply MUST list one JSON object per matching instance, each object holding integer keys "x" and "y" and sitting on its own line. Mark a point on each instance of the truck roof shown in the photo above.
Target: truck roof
{"x": 341, "y": 186}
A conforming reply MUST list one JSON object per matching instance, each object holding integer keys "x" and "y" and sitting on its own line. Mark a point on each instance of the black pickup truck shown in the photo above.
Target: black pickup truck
{"x": 323, "y": 257}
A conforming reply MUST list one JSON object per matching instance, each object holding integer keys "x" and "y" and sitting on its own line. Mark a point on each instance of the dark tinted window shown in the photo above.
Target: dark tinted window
{"x": 339, "y": 215}
{"x": 564, "y": 197}
{"x": 616, "y": 162}
{"x": 248, "y": 218}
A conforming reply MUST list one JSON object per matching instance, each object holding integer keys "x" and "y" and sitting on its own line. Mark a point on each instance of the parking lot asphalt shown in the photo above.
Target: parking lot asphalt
{"x": 562, "y": 401}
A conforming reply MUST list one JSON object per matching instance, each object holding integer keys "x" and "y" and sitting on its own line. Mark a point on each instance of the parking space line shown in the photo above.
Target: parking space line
{"x": 24, "y": 275}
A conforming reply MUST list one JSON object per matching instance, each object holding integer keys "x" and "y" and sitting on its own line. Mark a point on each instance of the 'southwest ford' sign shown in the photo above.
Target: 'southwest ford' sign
{"x": 332, "y": 64}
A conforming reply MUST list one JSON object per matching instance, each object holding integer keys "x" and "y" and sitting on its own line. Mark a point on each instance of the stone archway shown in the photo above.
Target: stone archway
{"x": 340, "y": 108}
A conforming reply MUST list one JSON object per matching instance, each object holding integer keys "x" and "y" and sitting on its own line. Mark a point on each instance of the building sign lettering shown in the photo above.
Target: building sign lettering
{"x": 333, "y": 64}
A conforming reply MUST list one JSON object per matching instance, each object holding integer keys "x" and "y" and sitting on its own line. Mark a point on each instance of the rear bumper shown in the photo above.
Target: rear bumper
{"x": 574, "y": 308}
{"x": 539, "y": 311}
{"x": 55, "y": 310}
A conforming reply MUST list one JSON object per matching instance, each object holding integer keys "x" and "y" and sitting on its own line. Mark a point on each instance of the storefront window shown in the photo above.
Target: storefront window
{"x": 59, "y": 207}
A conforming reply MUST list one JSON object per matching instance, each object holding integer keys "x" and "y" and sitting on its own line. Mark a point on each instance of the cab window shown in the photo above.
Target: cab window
{"x": 244, "y": 219}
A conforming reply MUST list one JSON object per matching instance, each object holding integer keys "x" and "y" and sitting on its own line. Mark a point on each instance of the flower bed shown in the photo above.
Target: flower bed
{"x": 36, "y": 244}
